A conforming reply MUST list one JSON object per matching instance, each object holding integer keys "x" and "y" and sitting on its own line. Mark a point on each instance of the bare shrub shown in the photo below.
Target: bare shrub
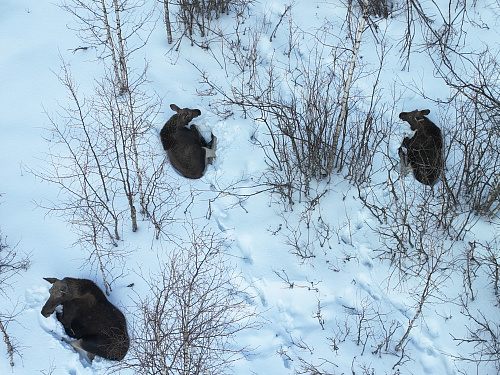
{"x": 98, "y": 146}
{"x": 380, "y": 8}
{"x": 312, "y": 119}
{"x": 113, "y": 28}
{"x": 102, "y": 154}
{"x": 431, "y": 27}
{"x": 11, "y": 264}
{"x": 363, "y": 324}
{"x": 196, "y": 17}
{"x": 195, "y": 307}
{"x": 481, "y": 344}
{"x": 303, "y": 104}
{"x": 473, "y": 173}
{"x": 483, "y": 339}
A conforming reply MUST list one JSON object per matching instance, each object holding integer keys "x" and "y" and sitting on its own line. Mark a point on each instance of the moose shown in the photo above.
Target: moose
{"x": 424, "y": 151}
{"x": 99, "y": 327}
{"x": 186, "y": 148}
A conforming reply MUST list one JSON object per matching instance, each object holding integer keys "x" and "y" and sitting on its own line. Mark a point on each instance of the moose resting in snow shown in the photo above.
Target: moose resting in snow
{"x": 99, "y": 327}
{"x": 187, "y": 150}
{"x": 424, "y": 151}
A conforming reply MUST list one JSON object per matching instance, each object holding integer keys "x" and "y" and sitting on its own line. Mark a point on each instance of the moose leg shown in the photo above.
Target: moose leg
{"x": 70, "y": 332}
{"x": 75, "y": 329}
{"x": 78, "y": 346}
{"x": 213, "y": 143}
{"x": 209, "y": 155}
{"x": 210, "y": 150}
{"x": 89, "y": 344}
{"x": 67, "y": 325}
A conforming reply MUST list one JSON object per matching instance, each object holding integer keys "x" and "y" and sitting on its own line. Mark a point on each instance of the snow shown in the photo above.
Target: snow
{"x": 309, "y": 310}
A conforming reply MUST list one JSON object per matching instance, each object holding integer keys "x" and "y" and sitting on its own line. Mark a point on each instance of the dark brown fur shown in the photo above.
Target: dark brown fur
{"x": 101, "y": 329}
{"x": 186, "y": 148}
{"x": 424, "y": 151}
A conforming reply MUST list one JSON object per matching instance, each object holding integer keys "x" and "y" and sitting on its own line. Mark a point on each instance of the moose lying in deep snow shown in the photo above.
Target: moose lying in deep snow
{"x": 424, "y": 151}
{"x": 99, "y": 327}
{"x": 187, "y": 150}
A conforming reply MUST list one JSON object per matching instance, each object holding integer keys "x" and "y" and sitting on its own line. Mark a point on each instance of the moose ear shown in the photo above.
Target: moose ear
{"x": 425, "y": 112}
{"x": 51, "y": 280}
{"x": 174, "y": 108}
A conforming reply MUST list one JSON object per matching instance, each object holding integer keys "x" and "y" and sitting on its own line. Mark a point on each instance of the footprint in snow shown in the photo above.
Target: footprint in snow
{"x": 245, "y": 244}
{"x": 219, "y": 216}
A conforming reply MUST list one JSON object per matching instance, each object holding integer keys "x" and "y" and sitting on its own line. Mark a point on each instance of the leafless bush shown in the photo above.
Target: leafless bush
{"x": 302, "y": 103}
{"x": 306, "y": 231}
{"x": 490, "y": 260}
{"x": 366, "y": 131}
{"x": 195, "y": 17}
{"x": 11, "y": 264}
{"x": 473, "y": 169}
{"x": 432, "y": 277}
{"x": 160, "y": 198}
{"x": 114, "y": 29}
{"x": 482, "y": 340}
{"x": 444, "y": 27}
{"x": 187, "y": 323}
{"x": 299, "y": 124}
{"x": 198, "y": 13}
{"x": 365, "y": 325}
{"x": 316, "y": 121}
{"x": 102, "y": 153}
{"x": 380, "y": 8}
{"x": 368, "y": 327}
{"x": 421, "y": 244}
{"x": 98, "y": 146}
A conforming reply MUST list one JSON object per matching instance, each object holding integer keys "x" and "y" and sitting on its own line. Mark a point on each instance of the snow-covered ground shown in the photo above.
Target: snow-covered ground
{"x": 342, "y": 311}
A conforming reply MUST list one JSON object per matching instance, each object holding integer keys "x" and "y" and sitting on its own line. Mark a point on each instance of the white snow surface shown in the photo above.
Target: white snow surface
{"x": 344, "y": 276}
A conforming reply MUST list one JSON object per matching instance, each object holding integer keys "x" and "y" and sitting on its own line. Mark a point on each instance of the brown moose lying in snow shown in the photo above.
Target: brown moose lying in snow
{"x": 187, "y": 150}
{"x": 424, "y": 151}
{"x": 99, "y": 327}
